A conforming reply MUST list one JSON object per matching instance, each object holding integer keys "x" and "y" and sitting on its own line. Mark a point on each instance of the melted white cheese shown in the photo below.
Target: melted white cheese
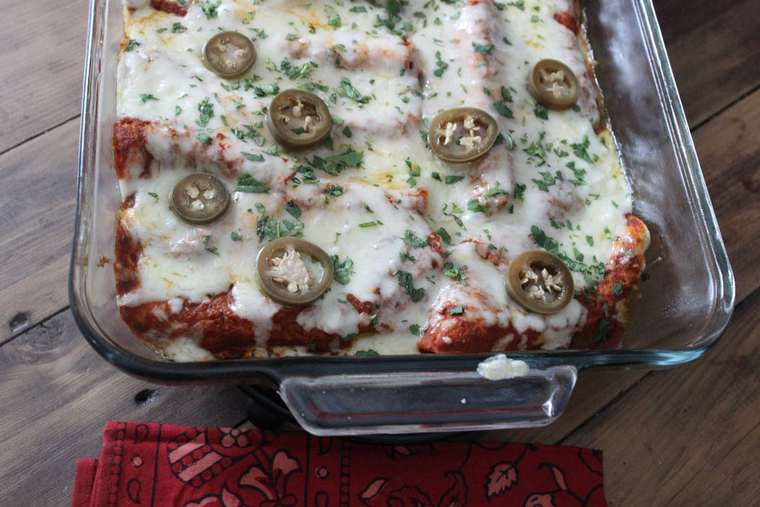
{"x": 553, "y": 174}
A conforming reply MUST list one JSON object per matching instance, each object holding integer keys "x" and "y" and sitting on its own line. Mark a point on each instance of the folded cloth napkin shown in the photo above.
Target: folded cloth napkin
{"x": 166, "y": 465}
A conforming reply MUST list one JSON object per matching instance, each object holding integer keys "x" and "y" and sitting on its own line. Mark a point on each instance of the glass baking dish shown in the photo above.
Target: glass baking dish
{"x": 683, "y": 305}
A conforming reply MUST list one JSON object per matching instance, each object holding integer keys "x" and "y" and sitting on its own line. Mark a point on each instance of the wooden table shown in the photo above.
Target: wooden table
{"x": 687, "y": 436}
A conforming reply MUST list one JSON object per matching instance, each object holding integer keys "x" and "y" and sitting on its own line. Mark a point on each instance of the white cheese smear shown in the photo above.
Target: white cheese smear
{"x": 500, "y": 367}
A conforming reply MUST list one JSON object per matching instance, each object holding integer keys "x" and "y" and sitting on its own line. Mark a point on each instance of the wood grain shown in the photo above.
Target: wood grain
{"x": 57, "y": 395}
{"x": 41, "y": 58}
{"x": 36, "y": 227}
{"x": 714, "y": 48}
{"x": 729, "y": 152}
{"x": 690, "y": 434}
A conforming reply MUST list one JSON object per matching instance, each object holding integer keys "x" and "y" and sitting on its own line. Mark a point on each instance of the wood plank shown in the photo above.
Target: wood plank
{"x": 713, "y": 48}
{"x": 36, "y": 227}
{"x": 57, "y": 395}
{"x": 690, "y": 434}
{"x": 41, "y": 56}
{"x": 730, "y": 158}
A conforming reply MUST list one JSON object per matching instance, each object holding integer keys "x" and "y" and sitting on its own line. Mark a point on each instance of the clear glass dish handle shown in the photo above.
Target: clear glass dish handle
{"x": 424, "y": 402}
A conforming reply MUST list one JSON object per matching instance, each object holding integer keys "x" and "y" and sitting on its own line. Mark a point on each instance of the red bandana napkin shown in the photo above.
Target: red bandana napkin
{"x": 160, "y": 464}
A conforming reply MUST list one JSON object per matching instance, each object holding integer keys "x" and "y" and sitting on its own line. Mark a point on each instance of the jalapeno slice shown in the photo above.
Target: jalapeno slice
{"x": 299, "y": 119}
{"x": 540, "y": 282}
{"x": 199, "y": 198}
{"x": 293, "y": 271}
{"x": 553, "y": 84}
{"x": 462, "y": 134}
{"x": 229, "y": 54}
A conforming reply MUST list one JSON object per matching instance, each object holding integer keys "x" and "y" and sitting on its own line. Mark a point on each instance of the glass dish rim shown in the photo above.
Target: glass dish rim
{"x": 277, "y": 369}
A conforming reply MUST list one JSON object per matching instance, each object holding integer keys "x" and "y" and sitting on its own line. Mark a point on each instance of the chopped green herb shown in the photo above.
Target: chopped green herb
{"x": 358, "y": 9}
{"x": 474, "y": 205}
{"x": 235, "y": 236}
{"x": 444, "y": 235}
{"x": 263, "y": 91}
{"x": 581, "y": 151}
{"x": 540, "y": 111}
{"x": 414, "y": 329}
{"x": 131, "y": 44}
{"x": 503, "y": 109}
{"x": 334, "y": 21}
{"x": 411, "y": 239}
{"x": 153, "y": 195}
{"x": 333, "y": 190}
{"x": 209, "y": 8}
{"x": 177, "y": 110}
{"x": 436, "y": 176}
{"x": 178, "y": 27}
{"x": 456, "y": 310}
{"x": 546, "y": 181}
{"x": 590, "y": 240}
{"x": 484, "y": 49}
{"x": 373, "y": 223}
{"x": 407, "y": 283}
{"x": 206, "y": 110}
{"x": 146, "y": 97}
{"x": 343, "y": 269}
{"x": 450, "y": 179}
{"x": 250, "y": 185}
{"x": 519, "y": 191}
{"x": 347, "y": 90}
{"x": 347, "y": 132}
{"x": 253, "y": 157}
{"x": 495, "y": 190}
{"x": 617, "y": 289}
{"x": 453, "y": 271}
{"x": 440, "y": 65}
{"x": 292, "y": 208}
{"x": 335, "y": 164}
{"x": 578, "y": 174}
{"x": 204, "y": 138}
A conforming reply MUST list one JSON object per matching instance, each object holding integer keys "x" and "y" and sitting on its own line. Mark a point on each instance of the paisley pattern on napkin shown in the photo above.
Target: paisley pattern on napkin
{"x": 156, "y": 464}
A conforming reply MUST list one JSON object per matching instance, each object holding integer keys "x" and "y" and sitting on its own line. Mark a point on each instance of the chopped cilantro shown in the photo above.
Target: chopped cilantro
{"x": 452, "y": 178}
{"x": 335, "y": 164}
{"x": 209, "y": 8}
{"x": 253, "y": 157}
{"x": 590, "y": 240}
{"x": 519, "y": 191}
{"x": 153, "y": 195}
{"x": 178, "y": 27}
{"x": 333, "y": 190}
{"x": 474, "y": 205}
{"x": 204, "y": 138}
{"x": 235, "y": 236}
{"x": 483, "y": 49}
{"x": 347, "y": 90}
{"x": 146, "y": 97}
{"x": 373, "y": 223}
{"x": 581, "y": 151}
{"x": 343, "y": 269}
{"x": 131, "y": 44}
{"x": 250, "y": 185}
{"x": 453, "y": 271}
{"x": 503, "y": 109}
{"x": 540, "y": 111}
{"x": 414, "y": 329}
{"x": 411, "y": 239}
{"x": 292, "y": 208}
{"x": 546, "y": 181}
{"x": 440, "y": 65}
{"x": 444, "y": 235}
{"x": 407, "y": 283}
{"x": 206, "y": 110}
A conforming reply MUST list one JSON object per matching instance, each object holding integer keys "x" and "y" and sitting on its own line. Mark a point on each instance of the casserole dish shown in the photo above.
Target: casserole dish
{"x": 682, "y": 310}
